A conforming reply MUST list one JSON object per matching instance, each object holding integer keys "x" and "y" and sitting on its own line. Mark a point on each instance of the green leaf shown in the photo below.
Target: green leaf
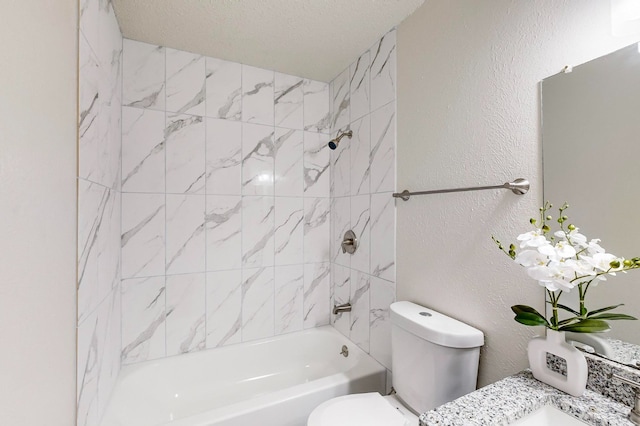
{"x": 528, "y": 316}
{"x": 613, "y": 317}
{"x": 568, "y": 321}
{"x": 586, "y": 326}
{"x": 524, "y": 308}
{"x": 568, "y": 309}
{"x": 608, "y": 308}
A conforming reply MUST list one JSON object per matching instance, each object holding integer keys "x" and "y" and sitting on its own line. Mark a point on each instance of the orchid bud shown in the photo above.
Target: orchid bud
{"x": 532, "y": 221}
{"x": 627, "y": 263}
{"x": 571, "y": 227}
{"x": 549, "y": 217}
{"x": 546, "y": 228}
{"x": 614, "y": 264}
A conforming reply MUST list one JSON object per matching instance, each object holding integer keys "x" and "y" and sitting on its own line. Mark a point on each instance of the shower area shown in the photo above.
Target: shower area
{"x": 212, "y": 207}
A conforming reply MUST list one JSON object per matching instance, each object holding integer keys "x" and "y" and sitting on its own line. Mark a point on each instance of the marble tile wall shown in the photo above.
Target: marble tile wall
{"x": 225, "y": 203}
{"x": 99, "y": 203}
{"x": 362, "y": 180}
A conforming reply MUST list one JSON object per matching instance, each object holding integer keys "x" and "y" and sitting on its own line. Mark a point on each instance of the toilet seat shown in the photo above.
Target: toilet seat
{"x": 369, "y": 409}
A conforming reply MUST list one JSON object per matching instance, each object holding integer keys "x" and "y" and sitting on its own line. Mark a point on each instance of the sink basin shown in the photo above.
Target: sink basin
{"x": 548, "y": 415}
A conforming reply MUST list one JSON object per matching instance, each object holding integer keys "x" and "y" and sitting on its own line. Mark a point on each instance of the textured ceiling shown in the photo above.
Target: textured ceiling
{"x": 316, "y": 39}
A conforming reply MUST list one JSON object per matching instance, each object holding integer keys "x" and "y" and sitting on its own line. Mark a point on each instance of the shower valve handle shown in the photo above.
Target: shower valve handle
{"x": 349, "y": 242}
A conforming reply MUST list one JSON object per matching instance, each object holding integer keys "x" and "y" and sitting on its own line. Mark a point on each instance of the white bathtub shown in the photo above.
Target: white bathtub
{"x": 271, "y": 382}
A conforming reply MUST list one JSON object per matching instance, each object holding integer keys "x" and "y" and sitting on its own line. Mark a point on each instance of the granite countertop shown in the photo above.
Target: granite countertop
{"x": 516, "y": 396}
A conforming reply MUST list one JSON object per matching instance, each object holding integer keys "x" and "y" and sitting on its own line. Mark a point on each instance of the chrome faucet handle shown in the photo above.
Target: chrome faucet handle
{"x": 634, "y": 415}
{"x": 349, "y": 242}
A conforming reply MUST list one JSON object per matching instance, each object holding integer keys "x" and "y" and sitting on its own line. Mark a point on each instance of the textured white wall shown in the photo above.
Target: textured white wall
{"x": 468, "y": 114}
{"x": 38, "y": 90}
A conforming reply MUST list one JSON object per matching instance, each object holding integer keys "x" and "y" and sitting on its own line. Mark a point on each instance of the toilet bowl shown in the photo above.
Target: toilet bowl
{"x": 370, "y": 409}
{"x": 434, "y": 361}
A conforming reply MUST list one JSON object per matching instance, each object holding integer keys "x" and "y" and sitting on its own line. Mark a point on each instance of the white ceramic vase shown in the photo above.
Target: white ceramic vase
{"x": 575, "y": 382}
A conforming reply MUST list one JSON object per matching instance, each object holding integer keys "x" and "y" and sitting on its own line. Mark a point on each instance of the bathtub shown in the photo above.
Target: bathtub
{"x": 271, "y": 382}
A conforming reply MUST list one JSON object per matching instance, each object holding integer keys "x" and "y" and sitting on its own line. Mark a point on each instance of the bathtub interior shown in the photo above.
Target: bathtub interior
{"x": 289, "y": 366}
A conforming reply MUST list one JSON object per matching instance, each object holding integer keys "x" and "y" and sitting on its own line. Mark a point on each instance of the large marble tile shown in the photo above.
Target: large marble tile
{"x": 91, "y": 210}
{"x": 288, "y": 101}
{"x": 360, "y": 151}
{"x": 89, "y": 111}
{"x": 317, "y": 180}
{"x": 340, "y": 101}
{"x": 110, "y": 54}
{"x": 257, "y": 95}
{"x": 359, "y": 87}
{"x": 359, "y": 328}
{"x": 185, "y": 82}
{"x": 258, "y": 157}
{"x": 383, "y": 149}
{"x": 340, "y": 171}
{"x": 89, "y": 10}
{"x": 186, "y": 317}
{"x": 109, "y": 244}
{"x": 317, "y": 116}
{"x": 224, "y": 308}
{"x": 383, "y": 294}
{"x": 223, "y": 222}
{"x": 143, "y": 235}
{"x": 340, "y": 294}
{"x": 257, "y": 303}
{"x": 340, "y": 224}
{"x": 383, "y": 242}
{"x": 316, "y": 229}
{"x": 110, "y": 146}
{"x": 289, "y": 288}
{"x": 185, "y": 234}
{"x": 383, "y": 71}
{"x": 361, "y": 226}
{"x": 224, "y": 157}
{"x": 288, "y": 172}
{"x": 143, "y": 76}
{"x": 317, "y": 281}
{"x": 109, "y": 34}
{"x": 109, "y": 340}
{"x": 143, "y": 150}
{"x": 185, "y": 158}
{"x": 258, "y": 231}
{"x": 224, "y": 89}
{"x": 143, "y": 319}
{"x": 87, "y": 372}
{"x": 289, "y": 228}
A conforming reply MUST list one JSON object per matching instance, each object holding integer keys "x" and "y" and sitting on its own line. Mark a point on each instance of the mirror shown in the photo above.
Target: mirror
{"x": 591, "y": 159}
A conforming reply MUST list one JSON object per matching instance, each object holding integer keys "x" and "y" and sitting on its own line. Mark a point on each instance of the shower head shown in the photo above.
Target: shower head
{"x": 333, "y": 143}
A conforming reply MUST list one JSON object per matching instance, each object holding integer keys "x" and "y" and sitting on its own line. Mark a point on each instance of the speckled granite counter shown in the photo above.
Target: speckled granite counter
{"x": 605, "y": 402}
{"x": 512, "y": 398}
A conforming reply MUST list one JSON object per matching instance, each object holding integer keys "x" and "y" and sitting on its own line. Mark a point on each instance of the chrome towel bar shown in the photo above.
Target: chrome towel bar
{"x": 519, "y": 187}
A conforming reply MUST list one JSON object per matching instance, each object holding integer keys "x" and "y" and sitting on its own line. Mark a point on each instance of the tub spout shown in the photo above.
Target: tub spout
{"x": 345, "y": 307}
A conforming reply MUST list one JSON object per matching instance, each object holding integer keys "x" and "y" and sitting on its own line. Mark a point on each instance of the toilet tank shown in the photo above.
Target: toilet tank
{"x": 434, "y": 357}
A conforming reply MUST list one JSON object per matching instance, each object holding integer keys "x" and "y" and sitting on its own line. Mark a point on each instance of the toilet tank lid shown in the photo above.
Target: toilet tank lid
{"x": 434, "y": 326}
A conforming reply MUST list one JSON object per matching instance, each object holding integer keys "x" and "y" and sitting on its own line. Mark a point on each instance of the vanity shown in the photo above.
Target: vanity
{"x": 522, "y": 400}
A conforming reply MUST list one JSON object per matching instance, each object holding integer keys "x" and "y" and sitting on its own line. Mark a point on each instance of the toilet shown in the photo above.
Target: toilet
{"x": 434, "y": 360}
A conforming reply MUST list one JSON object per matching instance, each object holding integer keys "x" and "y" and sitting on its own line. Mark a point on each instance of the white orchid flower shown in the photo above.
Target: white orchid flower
{"x": 593, "y": 247}
{"x": 529, "y": 258}
{"x": 533, "y": 238}
{"x": 575, "y": 237}
{"x": 562, "y": 250}
{"x": 602, "y": 262}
